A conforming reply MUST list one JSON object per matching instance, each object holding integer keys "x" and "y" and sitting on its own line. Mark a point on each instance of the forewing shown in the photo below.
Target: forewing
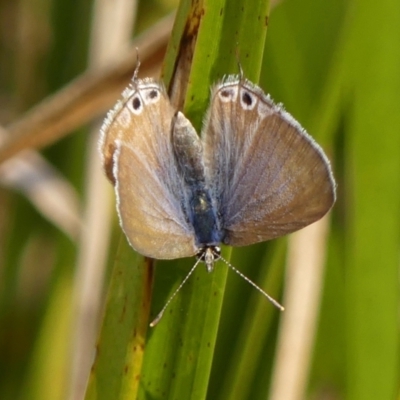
{"x": 138, "y": 158}
{"x": 268, "y": 176}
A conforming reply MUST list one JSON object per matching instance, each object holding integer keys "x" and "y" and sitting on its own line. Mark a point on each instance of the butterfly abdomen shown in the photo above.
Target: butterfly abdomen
{"x": 204, "y": 219}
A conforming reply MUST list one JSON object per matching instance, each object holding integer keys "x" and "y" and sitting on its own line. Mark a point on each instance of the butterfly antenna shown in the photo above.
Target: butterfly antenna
{"x": 156, "y": 320}
{"x": 135, "y": 73}
{"x": 241, "y": 73}
{"x": 273, "y": 301}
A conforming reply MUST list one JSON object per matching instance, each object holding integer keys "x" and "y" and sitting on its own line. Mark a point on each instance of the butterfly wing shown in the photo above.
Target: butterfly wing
{"x": 138, "y": 159}
{"x": 268, "y": 176}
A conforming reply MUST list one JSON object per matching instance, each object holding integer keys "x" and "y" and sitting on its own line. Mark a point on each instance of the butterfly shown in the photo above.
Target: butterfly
{"x": 253, "y": 174}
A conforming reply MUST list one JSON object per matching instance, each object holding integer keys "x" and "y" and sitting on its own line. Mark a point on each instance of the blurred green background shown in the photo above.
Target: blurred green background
{"x": 336, "y": 67}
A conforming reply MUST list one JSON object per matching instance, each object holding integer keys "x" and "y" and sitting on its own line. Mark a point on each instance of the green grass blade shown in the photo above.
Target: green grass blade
{"x": 180, "y": 349}
{"x": 121, "y": 343}
{"x": 373, "y": 156}
{"x": 256, "y": 328}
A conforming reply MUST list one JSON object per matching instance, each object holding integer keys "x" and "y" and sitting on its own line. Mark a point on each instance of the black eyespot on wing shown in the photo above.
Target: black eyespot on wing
{"x": 136, "y": 103}
{"x": 227, "y": 93}
{"x": 153, "y": 94}
{"x": 247, "y": 99}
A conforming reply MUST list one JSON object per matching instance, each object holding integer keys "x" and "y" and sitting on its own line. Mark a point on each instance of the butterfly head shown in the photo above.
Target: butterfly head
{"x": 209, "y": 255}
